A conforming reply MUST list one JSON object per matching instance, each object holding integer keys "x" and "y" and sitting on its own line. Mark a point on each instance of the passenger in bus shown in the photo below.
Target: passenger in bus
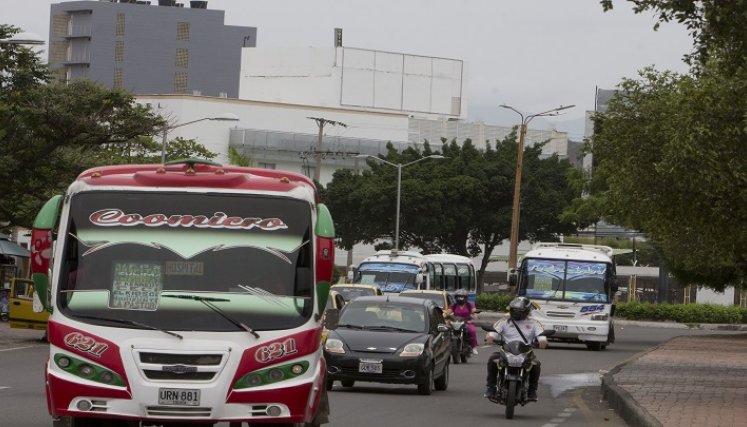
{"x": 464, "y": 309}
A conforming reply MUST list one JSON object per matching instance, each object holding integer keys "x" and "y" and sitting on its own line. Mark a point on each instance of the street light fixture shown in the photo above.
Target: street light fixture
{"x": 399, "y": 167}
{"x": 514, "y": 242}
{"x": 225, "y": 117}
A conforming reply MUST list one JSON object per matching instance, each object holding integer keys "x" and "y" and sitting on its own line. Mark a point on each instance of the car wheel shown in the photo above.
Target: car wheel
{"x": 442, "y": 382}
{"x": 428, "y": 385}
{"x": 347, "y": 383}
{"x": 594, "y": 345}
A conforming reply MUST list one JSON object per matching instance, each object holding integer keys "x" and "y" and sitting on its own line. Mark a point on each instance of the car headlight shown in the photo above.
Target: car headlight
{"x": 600, "y": 316}
{"x": 333, "y": 345}
{"x": 412, "y": 350}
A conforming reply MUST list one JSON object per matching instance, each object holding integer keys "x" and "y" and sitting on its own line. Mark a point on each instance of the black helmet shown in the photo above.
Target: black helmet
{"x": 519, "y": 308}
{"x": 461, "y": 296}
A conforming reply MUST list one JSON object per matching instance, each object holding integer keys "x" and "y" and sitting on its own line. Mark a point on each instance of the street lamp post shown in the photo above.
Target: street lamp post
{"x": 399, "y": 167}
{"x": 226, "y": 117}
{"x": 514, "y": 240}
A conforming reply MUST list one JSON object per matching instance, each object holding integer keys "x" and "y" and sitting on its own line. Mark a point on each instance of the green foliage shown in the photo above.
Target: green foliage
{"x": 238, "y": 159}
{"x": 490, "y": 301}
{"x": 645, "y": 252}
{"x": 461, "y": 204}
{"x": 682, "y": 313}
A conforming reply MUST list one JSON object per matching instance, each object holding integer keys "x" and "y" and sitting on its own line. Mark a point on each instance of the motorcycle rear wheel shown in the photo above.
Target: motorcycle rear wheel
{"x": 511, "y": 399}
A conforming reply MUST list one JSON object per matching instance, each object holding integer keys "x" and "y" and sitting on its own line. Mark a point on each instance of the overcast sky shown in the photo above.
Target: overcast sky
{"x": 531, "y": 54}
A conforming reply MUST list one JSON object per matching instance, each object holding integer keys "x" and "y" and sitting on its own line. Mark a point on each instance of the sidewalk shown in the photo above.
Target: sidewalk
{"x": 688, "y": 381}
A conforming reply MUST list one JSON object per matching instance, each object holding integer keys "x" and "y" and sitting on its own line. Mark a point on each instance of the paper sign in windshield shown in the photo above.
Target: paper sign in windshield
{"x": 136, "y": 286}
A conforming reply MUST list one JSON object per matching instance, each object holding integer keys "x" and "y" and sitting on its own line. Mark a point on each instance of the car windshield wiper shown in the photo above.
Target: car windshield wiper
{"x": 389, "y": 328}
{"x": 129, "y": 322}
{"x": 208, "y": 301}
{"x": 348, "y": 325}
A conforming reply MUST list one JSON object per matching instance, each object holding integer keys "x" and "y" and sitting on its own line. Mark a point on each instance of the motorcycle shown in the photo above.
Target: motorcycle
{"x": 461, "y": 349}
{"x": 514, "y": 366}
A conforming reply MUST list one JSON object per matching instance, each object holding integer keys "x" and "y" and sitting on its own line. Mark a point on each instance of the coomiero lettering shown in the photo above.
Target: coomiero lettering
{"x": 112, "y": 217}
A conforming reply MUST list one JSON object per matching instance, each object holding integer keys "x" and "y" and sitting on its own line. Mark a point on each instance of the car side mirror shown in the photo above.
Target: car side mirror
{"x": 331, "y": 318}
{"x": 443, "y": 328}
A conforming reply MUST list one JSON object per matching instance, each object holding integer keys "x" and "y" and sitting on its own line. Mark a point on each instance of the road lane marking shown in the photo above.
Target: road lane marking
{"x": 20, "y": 348}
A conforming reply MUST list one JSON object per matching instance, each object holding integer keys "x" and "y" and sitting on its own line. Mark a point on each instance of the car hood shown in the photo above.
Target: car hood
{"x": 376, "y": 341}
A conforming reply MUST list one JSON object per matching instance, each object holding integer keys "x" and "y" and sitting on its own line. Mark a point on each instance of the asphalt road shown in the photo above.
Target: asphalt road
{"x": 569, "y": 389}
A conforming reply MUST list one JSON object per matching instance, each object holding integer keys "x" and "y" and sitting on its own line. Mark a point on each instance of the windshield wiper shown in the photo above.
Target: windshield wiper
{"x": 348, "y": 325}
{"x": 129, "y": 322}
{"x": 208, "y": 301}
{"x": 389, "y": 328}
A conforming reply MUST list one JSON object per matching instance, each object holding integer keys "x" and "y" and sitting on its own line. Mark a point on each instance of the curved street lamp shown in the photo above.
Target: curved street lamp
{"x": 225, "y": 117}
{"x": 399, "y": 167}
{"x": 514, "y": 241}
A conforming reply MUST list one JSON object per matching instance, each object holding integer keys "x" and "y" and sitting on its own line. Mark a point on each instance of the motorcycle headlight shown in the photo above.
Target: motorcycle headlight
{"x": 514, "y": 360}
{"x": 412, "y": 350}
{"x": 333, "y": 345}
{"x": 600, "y": 316}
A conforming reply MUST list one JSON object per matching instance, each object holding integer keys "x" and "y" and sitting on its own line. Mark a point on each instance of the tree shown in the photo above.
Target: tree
{"x": 49, "y": 133}
{"x": 460, "y": 205}
{"x": 671, "y": 149}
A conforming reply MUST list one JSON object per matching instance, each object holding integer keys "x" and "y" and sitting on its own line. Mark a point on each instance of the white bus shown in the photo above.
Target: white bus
{"x": 453, "y": 272}
{"x": 394, "y": 271}
{"x": 572, "y": 287}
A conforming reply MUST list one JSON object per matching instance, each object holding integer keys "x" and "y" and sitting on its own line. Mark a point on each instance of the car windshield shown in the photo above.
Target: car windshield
{"x": 351, "y": 292}
{"x": 389, "y": 276}
{"x": 410, "y": 318}
{"x": 155, "y": 259}
{"x": 565, "y": 280}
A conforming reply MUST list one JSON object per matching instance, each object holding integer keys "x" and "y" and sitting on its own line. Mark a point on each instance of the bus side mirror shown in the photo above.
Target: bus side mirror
{"x": 512, "y": 278}
{"x": 615, "y": 285}
{"x": 419, "y": 279}
{"x": 350, "y": 276}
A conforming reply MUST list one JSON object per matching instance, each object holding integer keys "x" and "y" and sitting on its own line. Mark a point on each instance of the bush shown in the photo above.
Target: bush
{"x": 683, "y": 313}
{"x": 489, "y": 301}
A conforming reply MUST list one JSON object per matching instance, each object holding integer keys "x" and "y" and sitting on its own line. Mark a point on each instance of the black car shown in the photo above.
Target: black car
{"x": 389, "y": 339}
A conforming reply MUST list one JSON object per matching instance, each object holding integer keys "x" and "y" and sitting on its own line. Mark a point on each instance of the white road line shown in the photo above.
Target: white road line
{"x": 557, "y": 420}
{"x": 19, "y": 348}
{"x": 1, "y": 387}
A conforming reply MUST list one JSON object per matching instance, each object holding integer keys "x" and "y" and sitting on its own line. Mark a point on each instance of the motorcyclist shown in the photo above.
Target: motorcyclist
{"x": 518, "y": 309}
{"x": 466, "y": 310}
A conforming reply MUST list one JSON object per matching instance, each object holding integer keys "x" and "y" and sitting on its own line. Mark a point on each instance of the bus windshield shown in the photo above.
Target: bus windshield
{"x": 389, "y": 276}
{"x": 156, "y": 258}
{"x": 565, "y": 280}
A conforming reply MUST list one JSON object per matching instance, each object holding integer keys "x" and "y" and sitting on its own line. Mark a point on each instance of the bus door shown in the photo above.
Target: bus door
{"x": 21, "y": 306}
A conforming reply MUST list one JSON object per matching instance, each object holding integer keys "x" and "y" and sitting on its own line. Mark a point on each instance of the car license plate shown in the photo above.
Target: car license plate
{"x": 179, "y": 396}
{"x": 561, "y": 328}
{"x": 369, "y": 366}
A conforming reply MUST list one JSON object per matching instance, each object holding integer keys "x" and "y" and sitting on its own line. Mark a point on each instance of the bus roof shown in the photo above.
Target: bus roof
{"x": 199, "y": 174}
{"x": 406, "y": 257}
{"x": 448, "y": 258}
{"x": 581, "y": 252}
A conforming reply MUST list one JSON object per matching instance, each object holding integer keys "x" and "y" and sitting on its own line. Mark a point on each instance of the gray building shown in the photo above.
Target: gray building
{"x": 159, "y": 48}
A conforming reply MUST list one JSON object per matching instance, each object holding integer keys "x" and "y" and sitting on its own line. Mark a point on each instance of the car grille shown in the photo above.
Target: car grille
{"x": 169, "y": 411}
{"x": 386, "y": 373}
{"x": 564, "y": 314}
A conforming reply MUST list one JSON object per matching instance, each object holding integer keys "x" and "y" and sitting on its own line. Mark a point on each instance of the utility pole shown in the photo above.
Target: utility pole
{"x": 321, "y": 122}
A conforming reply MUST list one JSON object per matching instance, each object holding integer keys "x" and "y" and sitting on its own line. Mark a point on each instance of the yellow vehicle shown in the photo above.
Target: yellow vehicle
{"x": 442, "y": 299}
{"x": 21, "y": 306}
{"x": 336, "y": 302}
{"x": 350, "y": 291}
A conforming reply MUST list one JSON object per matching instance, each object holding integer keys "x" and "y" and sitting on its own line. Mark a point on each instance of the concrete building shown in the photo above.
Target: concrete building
{"x": 162, "y": 47}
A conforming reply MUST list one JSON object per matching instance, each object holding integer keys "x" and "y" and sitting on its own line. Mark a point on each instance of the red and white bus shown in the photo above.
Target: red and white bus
{"x": 185, "y": 293}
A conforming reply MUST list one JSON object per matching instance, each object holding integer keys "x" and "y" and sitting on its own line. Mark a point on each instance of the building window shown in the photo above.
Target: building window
{"x": 180, "y": 82}
{"x": 119, "y": 51}
{"x": 60, "y": 25}
{"x": 264, "y": 165}
{"x": 120, "y": 24}
{"x": 182, "y": 57}
{"x": 117, "y": 78}
{"x": 182, "y": 30}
